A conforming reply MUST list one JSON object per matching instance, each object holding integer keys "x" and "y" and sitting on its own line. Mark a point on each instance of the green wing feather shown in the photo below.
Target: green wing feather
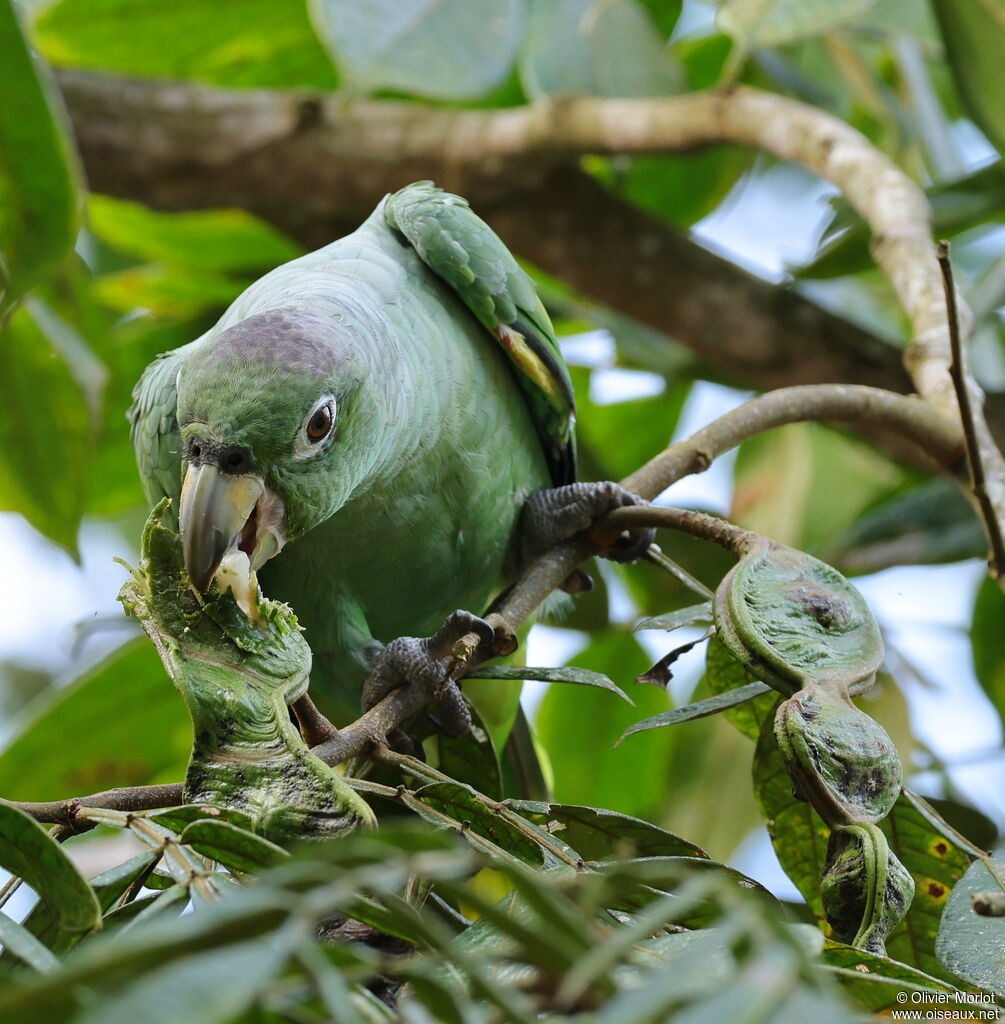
{"x": 153, "y": 420}
{"x": 459, "y": 247}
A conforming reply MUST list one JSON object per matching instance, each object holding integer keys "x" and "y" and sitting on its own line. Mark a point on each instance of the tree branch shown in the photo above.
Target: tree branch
{"x": 316, "y": 166}
{"x": 971, "y": 442}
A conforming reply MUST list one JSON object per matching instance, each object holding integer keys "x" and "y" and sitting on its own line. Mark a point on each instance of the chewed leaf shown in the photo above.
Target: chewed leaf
{"x": 660, "y": 674}
{"x": 561, "y": 674}
{"x": 794, "y": 621}
{"x": 700, "y": 709}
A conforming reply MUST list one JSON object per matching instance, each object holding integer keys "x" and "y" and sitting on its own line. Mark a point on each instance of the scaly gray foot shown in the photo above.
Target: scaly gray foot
{"x": 426, "y": 663}
{"x": 552, "y": 516}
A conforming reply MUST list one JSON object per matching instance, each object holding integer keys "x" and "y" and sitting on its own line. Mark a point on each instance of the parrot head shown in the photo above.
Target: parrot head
{"x": 277, "y": 431}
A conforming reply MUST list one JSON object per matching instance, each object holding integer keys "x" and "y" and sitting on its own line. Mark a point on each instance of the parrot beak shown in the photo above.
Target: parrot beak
{"x": 230, "y": 526}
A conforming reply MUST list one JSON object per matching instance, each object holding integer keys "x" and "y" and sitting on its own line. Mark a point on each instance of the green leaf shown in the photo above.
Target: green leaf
{"x": 931, "y": 523}
{"x": 697, "y": 614}
{"x": 109, "y": 886}
{"x": 129, "y": 727}
{"x": 27, "y": 851}
{"x": 465, "y": 805}
{"x": 969, "y": 945}
{"x": 974, "y": 199}
{"x": 231, "y": 846}
{"x": 470, "y": 759}
{"x": 937, "y": 858}
{"x": 234, "y": 42}
{"x": 725, "y": 675}
{"x": 974, "y": 35}
{"x": 610, "y": 49}
{"x": 43, "y": 473}
{"x": 559, "y": 674}
{"x": 700, "y": 709}
{"x": 39, "y": 177}
{"x": 874, "y": 981}
{"x": 178, "y": 818}
{"x": 167, "y": 290}
{"x": 757, "y": 24}
{"x": 439, "y": 49}
{"x": 684, "y": 189}
{"x": 218, "y": 240}
{"x": 987, "y": 640}
{"x": 597, "y": 834}
{"x": 588, "y": 771}
{"x": 797, "y": 834}
{"x": 21, "y": 944}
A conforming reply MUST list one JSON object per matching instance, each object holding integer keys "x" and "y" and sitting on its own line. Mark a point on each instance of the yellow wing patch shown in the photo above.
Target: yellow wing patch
{"x": 530, "y": 363}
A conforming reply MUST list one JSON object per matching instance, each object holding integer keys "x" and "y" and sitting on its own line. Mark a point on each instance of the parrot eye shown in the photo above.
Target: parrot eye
{"x": 319, "y": 424}
{"x": 316, "y": 428}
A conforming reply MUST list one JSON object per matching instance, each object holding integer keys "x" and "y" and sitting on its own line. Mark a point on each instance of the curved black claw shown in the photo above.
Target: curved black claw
{"x": 552, "y": 516}
{"x": 427, "y": 663}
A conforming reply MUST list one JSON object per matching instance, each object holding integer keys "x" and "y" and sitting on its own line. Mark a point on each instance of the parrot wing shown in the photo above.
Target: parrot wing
{"x": 462, "y": 250}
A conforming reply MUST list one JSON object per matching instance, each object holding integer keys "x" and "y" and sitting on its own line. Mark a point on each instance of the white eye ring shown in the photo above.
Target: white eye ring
{"x": 304, "y": 444}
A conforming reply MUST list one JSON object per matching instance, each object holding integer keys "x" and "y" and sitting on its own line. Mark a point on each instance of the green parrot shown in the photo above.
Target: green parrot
{"x": 391, "y": 417}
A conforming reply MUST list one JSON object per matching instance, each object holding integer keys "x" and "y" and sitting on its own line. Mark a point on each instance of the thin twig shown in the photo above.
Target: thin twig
{"x": 971, "y": 444}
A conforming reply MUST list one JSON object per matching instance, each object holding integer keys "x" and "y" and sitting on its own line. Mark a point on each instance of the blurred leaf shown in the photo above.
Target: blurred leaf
{"x": 588, "y": 771}
{"x": 969, "y": 945}
{"x": 597, "y": 834}
{"x": 190, "y": 989}
{"x": 725, "y": 675}
{"x": 684, "y": 189}
{"x": 987, "y": 639}
{"x": 439, "y": 49}
{"x": 929, "y": 524}
{"x": 39, "y": 177}
{"x": 167, "y": 290}
{"x": 621, "y": 436}
{"x": 46, "y": 432}
{"x": 558, "y": 674}
{"x": 129, "y": 727}
{"x": 763, "y": 23}
{"x": 27, "y": 851}
{"x": 974, "y": 35}
{"x": 233, "y": 847}
{"x": 170, "y": 902}
{"x": 600, "y": 49}
{"x": 23, "y": 946}
{"x": 220, "y": 240}
{"x": 234, "y": 42}
{"x": 976, "y": 198}
{"x": 805, "y": 483}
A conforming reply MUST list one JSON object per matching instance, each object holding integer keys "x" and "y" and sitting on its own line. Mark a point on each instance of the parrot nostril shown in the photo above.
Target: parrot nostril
{"x": 195, "y": 451}
{"x": 235, "y": 460}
